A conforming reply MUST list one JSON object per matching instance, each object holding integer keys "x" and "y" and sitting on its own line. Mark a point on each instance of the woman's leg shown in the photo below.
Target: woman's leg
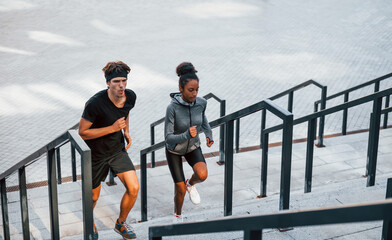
{"x": 199, "y": 166}
{"x": 175, "y": 165}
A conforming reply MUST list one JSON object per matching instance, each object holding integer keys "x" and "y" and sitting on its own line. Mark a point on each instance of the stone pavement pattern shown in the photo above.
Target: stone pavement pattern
{"x": 337, "y": 180}
{"x": 51, "y": 53}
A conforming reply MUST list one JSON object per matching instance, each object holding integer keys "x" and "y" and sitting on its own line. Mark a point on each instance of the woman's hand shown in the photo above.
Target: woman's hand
{"x": 193, "y": 131}
{"x": 209, "y": 143}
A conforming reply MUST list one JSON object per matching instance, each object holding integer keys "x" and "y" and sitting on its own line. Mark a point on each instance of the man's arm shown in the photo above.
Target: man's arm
{"x": 87, "y": 133}
{"x": 126, "y": 134}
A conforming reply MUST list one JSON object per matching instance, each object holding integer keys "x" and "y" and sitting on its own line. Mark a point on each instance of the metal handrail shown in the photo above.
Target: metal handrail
{"x": 311, "y": 119}
{"x": 253, "y": 225}
{"x": 222, "y": 130}
{"x": 228, "y": 122}
{"x": 346, "y": 93}
{"x": 290, "y": 93}
{"x": 51, "y": 150}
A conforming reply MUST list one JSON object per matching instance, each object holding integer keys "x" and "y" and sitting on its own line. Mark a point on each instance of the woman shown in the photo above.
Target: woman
{"x": 185, "y": 118}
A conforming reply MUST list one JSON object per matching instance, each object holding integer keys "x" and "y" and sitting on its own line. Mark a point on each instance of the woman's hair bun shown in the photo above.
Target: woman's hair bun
{"x": 184, "y": 68}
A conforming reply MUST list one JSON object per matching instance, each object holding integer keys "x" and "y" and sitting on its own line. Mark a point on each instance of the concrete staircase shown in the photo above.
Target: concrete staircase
{"x": 337, "y": 180}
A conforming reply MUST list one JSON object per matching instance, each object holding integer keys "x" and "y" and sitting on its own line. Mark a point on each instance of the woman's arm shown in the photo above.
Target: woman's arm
{"x": 170, "y": 137}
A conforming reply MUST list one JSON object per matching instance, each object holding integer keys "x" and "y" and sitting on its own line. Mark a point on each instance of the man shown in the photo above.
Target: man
{"x": 104, "y": 124}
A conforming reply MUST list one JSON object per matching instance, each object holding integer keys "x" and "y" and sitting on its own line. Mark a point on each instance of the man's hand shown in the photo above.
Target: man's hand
{"x": 119, "y": 124}
{"x": 128, "y": 139}
{"x": 193, "y": 131}
{"x": 209, "y": 143}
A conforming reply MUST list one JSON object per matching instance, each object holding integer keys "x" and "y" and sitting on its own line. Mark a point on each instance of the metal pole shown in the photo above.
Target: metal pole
{"x": 387, "y": 225}
{"x": 23, "y": 203}
{"x": 73, "y": 162}
{"x": 152, "y": 131}
{"x": 222, "y": 134}
{"x": 263, "y": 117}
{"x": 52, "y": 188}
{"x": 228, "y": 184}
{"x": 87, "y": 195}
{"x": 374, "y": 141}
{"x": 309, "y": 154}
{"x": 4, "y": 210}
{"x": 345, "y": 113}
{"x": 264, "y": 166}
{"x": 143, "y": 183}
{"x": 253, "y": 234}
{"x": 322, "y": 119}
{"x": 287, "y": 141}
{"x": 237, "y": 135}
{"x": 111, "y": 179}
{"x": 385, "y": 125}
{"x": 58, "y": 159}
{"x": 290, "y": 103}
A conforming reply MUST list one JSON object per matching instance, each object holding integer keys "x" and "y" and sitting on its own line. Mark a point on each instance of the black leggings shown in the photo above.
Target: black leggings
{"x": 175, "y": 163}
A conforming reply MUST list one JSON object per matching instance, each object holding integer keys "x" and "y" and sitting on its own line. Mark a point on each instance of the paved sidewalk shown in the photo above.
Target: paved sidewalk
{"x": 337, "y": 180}
{"x": 52, "y": 53}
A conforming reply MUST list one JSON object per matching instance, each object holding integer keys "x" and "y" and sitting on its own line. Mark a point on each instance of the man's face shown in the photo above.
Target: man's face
{"x": 117, "y": 86}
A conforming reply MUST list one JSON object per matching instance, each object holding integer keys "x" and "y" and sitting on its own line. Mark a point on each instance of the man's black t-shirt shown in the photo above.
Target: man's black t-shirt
{"x": 102, "y": 113}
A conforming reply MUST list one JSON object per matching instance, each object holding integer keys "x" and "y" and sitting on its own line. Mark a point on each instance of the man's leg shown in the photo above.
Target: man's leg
{"x": 96, "y": 192}
{"x": 131, "y": 184}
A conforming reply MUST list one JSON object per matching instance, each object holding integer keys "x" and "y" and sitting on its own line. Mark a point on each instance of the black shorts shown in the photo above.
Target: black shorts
{"x": 175, "y": 163}
{"x": 118, "y": 163}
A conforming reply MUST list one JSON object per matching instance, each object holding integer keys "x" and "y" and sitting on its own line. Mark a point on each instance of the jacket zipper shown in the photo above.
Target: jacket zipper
{"x": 190, "y": 125}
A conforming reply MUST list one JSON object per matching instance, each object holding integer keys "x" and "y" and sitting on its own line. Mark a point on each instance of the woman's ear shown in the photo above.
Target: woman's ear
{"x": 180, "y": 88}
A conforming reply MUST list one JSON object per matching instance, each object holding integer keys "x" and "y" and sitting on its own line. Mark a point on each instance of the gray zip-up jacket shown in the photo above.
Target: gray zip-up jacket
{"x": 180, "y": 116}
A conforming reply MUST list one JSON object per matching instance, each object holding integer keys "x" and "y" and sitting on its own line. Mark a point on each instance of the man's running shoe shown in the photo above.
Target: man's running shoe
{"x": 124, "y": 230}
{"x": 193, "y": 194}
{"x": 95, "y": 233}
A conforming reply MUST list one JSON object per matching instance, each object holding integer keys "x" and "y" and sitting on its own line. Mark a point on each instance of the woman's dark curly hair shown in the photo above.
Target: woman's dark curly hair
{"x": 186, "y": 71}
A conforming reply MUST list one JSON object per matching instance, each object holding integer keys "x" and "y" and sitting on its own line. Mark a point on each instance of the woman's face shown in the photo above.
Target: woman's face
{"x": 190, "y": 90}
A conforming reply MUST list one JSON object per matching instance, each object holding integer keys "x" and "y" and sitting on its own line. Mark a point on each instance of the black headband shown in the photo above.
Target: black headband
{"x": 114, "y": 74}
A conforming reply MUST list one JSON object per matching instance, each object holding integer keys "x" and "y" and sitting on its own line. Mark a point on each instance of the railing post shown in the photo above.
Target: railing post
{"x": 290, "y": 102}
{"x": 373, "y": 141}
{"x": 228, "y": 184}
{"x": 4, "y": 210}
{"x": 52, "y": 188}
{"x": 152, "y": 132}
{"x": 143, "y": 185}
{"x": 263, "y": 117}
{"x": 222, "y": 134}
{"x": 253, "y": 234}
{"x": 387, "y": 225}
{"x": 377, "y": 86}
{"x": 111, "y": 179}
{"x": 237, "y": 135}
{"x": 322, "y": 119}
{"x": 345, "y": 113}
{"x": 264, "y": 166}
{"x": 87, "y": 195}
{"x": 73, "y": 163}
{"x": 309, "y": 154}
{"x": 23, "y": 203}
{"x": 58, "y": 159}
{"x": 287, "y": 141}
{"x": 387, "y": 99}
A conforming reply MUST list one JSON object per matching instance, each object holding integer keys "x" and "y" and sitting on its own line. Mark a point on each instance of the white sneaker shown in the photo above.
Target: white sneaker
{"x": 193, "y": 194}
{"x": 178, "y": 218}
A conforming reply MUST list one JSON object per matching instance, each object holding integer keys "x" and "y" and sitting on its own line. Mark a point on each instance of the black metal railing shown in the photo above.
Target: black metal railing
{"x": 222, "y": 130}
{"x": 346, "y": 94}
{"x": 228, "y": 122}
{"x": 376, "y": 98}
{"x": 253, "y": 226}
{"x": 52, "y": 152}
{"x": 290, "y": 102}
